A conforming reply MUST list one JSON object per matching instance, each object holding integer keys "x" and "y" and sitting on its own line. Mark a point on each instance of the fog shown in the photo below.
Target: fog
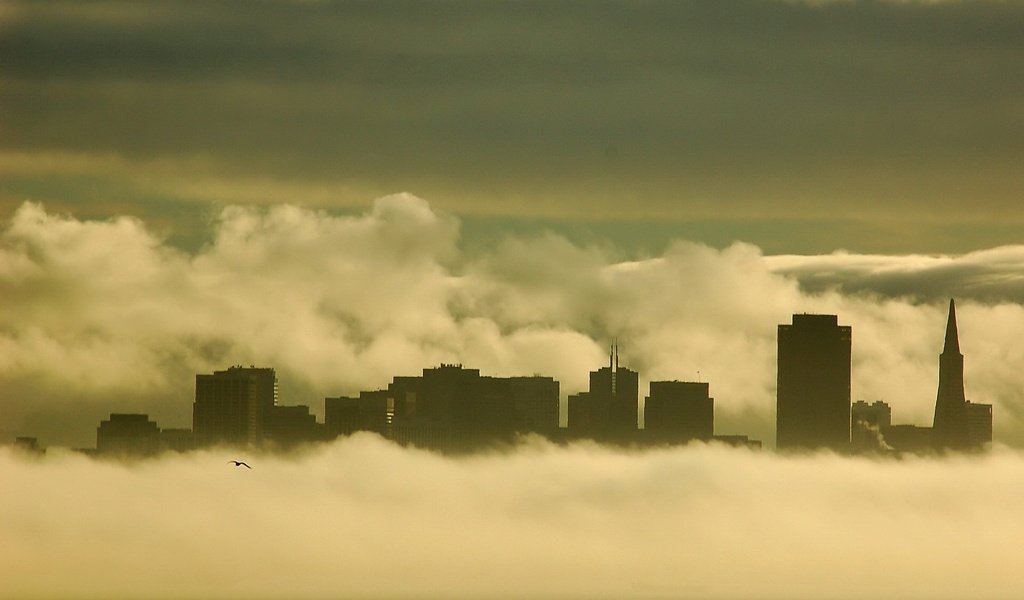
{"x": 363, "y": 518}
{"x": 103, "y": 316}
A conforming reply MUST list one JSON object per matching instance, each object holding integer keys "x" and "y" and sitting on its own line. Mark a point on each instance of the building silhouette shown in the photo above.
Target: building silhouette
{"x": 678, "y": 412}
{"x": 979, "y": 424}
{"x": 813, "y": 402}
{"x": 369, "y": 411}
{"x": 449, "y": 408}
{"x": 177, "y": 440}
{"x": 950, "y": 427}
{"x": 608, "y": 411}
{"x": 126, "y": 435}
{"x": 287, "y": 426}
{"x": 868, "y": 423}
{"x": 28, "y": 445}
{"x": 232, "y": 406}
{"x": 908, "y": 438}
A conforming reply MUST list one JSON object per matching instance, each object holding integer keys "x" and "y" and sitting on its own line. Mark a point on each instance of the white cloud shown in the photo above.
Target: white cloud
{"x": 101, "y": 316}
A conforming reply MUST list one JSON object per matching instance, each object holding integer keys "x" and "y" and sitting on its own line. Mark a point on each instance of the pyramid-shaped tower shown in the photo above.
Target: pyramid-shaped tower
{"x": 949, "y": 430}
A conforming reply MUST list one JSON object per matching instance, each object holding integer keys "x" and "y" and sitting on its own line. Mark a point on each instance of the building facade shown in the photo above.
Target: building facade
{"x": 813, "y": 401}
{"x": 232, "y": 406}
{"x": 678, "y": 412}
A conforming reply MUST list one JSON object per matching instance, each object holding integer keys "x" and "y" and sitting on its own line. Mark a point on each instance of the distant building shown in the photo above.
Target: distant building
{"x": 813, "y": 402}
{"x": 449, "y": 408}
{"x": 286, "y": 426}
{"x": 979, "y": 424}
{"x": 370, "y": 411}
{"x": 679, "y": 411}
{"x": 867, "y": 422}
{"x": 536, "y": 403}
{"x": 232, "y": 406}
{"x": 609, "y": 410}
{"x": 28, "y": 445}
{"x": 177, "y": 440}
{"x": 738, "y": 441}
{"x": 908, "y": 438}
{"x": 950, "y": 430}
{"x": 127, "y": 436}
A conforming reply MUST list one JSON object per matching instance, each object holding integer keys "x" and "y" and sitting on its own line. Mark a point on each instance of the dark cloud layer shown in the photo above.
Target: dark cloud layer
{"x": 894, "y": 118}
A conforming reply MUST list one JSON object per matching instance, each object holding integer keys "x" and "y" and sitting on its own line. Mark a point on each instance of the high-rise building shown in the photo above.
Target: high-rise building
{"x": 679, "y": 411}
{"x": 127, "y": 435}
{"x": 950, "y": 429}
{"x": 609, "y": 410}
{"x": 232, "y": 406}
{"x": 813, "y": 403}
{"x": 979, "y": 424}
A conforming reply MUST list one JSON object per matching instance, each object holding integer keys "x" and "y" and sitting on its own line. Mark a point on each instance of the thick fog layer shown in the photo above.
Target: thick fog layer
{"x": 103, "y": 316}
{"x": 363, "y": 518}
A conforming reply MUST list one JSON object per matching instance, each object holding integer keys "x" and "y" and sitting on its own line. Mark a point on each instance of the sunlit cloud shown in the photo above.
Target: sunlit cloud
{"x": 104, "y": 316}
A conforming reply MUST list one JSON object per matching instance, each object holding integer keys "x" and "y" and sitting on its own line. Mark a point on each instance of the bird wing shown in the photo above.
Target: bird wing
{"x": 245, "y": 465}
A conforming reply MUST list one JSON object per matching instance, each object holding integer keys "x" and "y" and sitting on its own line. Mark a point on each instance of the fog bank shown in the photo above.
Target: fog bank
{"x": 363, "y": 518}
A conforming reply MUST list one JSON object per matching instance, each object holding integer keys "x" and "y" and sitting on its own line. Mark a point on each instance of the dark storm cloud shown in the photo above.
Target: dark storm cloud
{"x": 863, "y": 111}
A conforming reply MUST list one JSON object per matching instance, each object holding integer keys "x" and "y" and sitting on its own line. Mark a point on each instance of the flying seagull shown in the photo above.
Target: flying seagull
{"x": 239, "y": 463}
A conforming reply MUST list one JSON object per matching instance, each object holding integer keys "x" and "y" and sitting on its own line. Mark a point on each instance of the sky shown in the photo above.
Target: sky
{"x": 350, "y": 191}
{"x": 872, "y": 126}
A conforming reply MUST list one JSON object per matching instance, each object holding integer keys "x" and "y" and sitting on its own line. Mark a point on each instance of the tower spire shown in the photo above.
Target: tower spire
{"x": 949, "y": 429}
{"x": 952, "y": 339}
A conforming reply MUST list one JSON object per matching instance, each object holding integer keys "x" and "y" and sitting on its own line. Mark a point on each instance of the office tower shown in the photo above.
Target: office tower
{"x": 608, "y": 411}
{"x": 580, "y": 417}
{"x": 813, "y": 403}
{"x": 679, "y": 411}
{"x": 289, "y": 425}
{"x": 370, "y": 411}
{"x": 867, "y": 424}
{"x": 536, "y": 404}
{"x": 979, "y": 424}
{"x": 949, "y": 429}
{"x": 127, "y": 435}
{"x": 231, "y": 406}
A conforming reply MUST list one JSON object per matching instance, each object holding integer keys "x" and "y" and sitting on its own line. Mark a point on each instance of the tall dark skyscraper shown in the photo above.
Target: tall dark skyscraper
{"x": 950, "y": 427}
{"x": 232, "y": 406}
{"x": 813, "y": 407}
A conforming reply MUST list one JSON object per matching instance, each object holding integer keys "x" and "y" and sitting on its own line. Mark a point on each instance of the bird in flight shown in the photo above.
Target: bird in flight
{"x": 239, "y": 463}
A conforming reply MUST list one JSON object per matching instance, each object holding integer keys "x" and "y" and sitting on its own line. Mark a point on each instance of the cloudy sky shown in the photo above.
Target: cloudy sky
{"x": 797, "y": 126}
{"x": 349, "y": 191}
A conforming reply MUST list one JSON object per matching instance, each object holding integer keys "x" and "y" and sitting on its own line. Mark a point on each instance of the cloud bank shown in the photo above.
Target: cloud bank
{"x": 362, "y": 518}
{"x": 103, "y": 316}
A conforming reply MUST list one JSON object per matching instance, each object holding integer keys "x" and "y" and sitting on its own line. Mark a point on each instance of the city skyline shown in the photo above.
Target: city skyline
{"x": 576, "y": 299}
{"x": 454, "y": 409}
{"x": 464, "y": 309}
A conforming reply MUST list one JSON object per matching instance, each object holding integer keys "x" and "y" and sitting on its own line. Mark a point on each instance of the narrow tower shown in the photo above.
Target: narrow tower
{"x": 949, "y": 430}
